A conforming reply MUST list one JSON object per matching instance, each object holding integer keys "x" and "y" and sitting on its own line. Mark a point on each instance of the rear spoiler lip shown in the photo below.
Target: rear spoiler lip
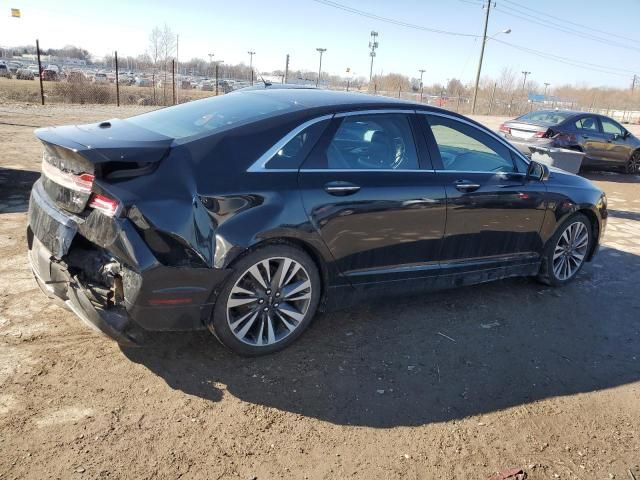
{"x": 132, "y": 143}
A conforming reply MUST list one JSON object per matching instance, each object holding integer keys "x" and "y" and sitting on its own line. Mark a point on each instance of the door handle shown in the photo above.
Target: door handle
{"x": 341, "y": 189}
{"x": 585, "y": 136}
{"x": 466, "y": 186}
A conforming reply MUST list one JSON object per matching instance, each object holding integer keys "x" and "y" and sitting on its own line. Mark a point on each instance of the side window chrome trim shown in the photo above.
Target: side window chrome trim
{"x": 349, "y": 170}
{"x": 489, "y": 132}
{"x": 381, "y": 111}
{"x": 260, "y": 165}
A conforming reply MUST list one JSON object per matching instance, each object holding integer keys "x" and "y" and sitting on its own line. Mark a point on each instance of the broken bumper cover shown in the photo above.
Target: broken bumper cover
{"x": 58, "y": 284}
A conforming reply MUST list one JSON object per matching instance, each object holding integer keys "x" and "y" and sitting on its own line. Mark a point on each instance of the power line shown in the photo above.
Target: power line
{"x": 391, "y": 20}
{"x": 564, "y": 20}
{"x": 549, "y": 56}
{"x": 555, "y": 26}
{"x": 576, "y": 63}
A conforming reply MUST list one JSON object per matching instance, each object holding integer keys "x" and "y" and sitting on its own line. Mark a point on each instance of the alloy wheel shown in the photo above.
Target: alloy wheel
{"x": 633, "y": 166}
{"x": 269, "y": 301}
{"x": 570, "y": 251}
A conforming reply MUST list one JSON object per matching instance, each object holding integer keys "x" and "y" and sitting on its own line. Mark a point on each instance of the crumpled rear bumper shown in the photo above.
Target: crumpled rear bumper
{"x": 58, "y": 284}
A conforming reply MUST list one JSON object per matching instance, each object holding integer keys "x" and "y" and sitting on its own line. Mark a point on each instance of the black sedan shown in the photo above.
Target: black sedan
{"x": 247, "y": 213}
{"x": 605, "y": 143}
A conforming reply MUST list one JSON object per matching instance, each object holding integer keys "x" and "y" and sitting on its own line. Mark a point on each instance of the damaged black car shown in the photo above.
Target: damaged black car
{"x": 249, "y": 212}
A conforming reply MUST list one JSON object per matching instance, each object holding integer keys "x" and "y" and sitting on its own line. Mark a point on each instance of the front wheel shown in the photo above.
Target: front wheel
{"x": 268, "y": 301}
{"x": 566, "y": 251}
{"x": 633, "y": 165}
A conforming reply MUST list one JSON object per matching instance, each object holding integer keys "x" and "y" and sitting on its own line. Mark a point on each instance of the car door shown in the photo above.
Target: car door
{"x": 617, "y": 147}
{"x": 370, "y": 191}
{"x": 494, "y": 212}
{"x": 590, "y": 138}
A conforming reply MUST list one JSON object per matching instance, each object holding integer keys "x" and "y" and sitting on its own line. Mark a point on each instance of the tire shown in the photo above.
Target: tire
{"x": 250, "y": 316}
{"x": 560, "y": 245}
{"x": 633, "y": 165}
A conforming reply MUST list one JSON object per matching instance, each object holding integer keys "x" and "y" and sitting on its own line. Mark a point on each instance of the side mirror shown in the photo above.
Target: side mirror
{"x": 616, "y": 136}
{"x": 538, "y": 171}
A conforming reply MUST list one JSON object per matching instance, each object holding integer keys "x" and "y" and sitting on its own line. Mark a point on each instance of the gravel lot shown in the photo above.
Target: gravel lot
{"x": 547, "y": 380}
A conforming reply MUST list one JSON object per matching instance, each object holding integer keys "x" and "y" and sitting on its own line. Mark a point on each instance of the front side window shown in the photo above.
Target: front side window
{"x": 587, "y": 124}
{"x": 466, "y": 148}
{"x": 373, "y": 142}
{"x": 609, "y": 126}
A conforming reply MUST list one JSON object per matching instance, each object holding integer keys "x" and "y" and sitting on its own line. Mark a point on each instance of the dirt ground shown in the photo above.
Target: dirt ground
{"x": 458, "y": 384}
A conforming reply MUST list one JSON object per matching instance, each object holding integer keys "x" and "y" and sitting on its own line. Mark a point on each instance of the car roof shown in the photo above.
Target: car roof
{"x": 332, "y": 101}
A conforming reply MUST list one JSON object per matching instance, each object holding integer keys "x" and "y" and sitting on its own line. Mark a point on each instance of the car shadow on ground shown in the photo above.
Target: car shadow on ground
{"x": 15, "y": 187}
{"x": 609, "y": 176}
{"x": 442, "y": 356}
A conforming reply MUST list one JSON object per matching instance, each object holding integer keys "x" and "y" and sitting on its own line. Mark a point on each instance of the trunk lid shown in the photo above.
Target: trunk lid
{"x": 77, "y": 154}
{"x": 524, "y": 131}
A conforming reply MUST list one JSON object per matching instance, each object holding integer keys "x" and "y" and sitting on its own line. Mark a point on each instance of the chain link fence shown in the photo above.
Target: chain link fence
{"x": 36, "y": 78}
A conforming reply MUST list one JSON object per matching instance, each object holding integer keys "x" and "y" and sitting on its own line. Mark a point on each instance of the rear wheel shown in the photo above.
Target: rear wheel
{"x": 566, "y": 251}
{"x": 633, "y": 165}
{"x": 268, "y": 301}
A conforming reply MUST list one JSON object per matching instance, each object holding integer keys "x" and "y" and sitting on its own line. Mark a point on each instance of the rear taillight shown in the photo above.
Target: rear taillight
{"x": 505, "y": 129}
{"x": 104, "y": 204}
{"x": 544, "y": 134}
{"x": 82, "y": 182}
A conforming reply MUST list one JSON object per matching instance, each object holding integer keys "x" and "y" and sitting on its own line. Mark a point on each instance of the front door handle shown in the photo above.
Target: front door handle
{"x": 341, "y": 189}
{"x": 466, "y": 186}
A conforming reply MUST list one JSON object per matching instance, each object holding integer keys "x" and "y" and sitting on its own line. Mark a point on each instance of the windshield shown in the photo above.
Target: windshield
{"x": 546, "y": 118}
{"x": 212, "y": 114}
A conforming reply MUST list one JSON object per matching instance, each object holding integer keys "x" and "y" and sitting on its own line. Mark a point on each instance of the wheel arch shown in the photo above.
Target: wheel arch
{"x": 595, "y": 230}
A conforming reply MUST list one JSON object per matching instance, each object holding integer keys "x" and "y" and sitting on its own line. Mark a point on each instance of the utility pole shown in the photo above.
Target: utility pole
{"x": 251, "y": 54}
{"x": 484, "y": 41}
{"x": 286, "y": 70}
{"x": 218, "y": 62}
{"x": 546, "y": 85}
{"x": 321, "y": 51}
{"x": 210, "y": 62}
{"x": 421, "y": 85}
{"x": 633, "y": 83}
{"x": 373, "y": 45}
{"x": 524, "y": 82}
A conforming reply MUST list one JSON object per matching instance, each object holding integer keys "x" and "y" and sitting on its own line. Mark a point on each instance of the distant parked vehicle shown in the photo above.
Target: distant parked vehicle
{"x": 100, "y": 78}
{"x": 34, "y": 69}
{"x": 24, "y": 74}
{"x": 14, "y": 67}
{"x": 76, "y": 77}
{"x": 604, "y": 141}
{"x": 50, "y": 75}
{"x": 4, "y": 71}
{"x": 143, "y": 82}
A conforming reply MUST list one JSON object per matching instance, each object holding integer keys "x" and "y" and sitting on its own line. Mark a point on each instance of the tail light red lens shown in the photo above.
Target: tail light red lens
{"x": 505, "y": 129}
{"x": 104, "y": 204}
{"x": 80, "y": 183}
{"x": 543, "y": 134}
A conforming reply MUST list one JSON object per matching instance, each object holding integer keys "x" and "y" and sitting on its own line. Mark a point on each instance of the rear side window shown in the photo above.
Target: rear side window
{"x": 466, "y": 148}
{"x": 372, "y": 142}
{"x": 212, "y": 115}
{"x": 589, "y": 124}
{"x": 293, "y": 153}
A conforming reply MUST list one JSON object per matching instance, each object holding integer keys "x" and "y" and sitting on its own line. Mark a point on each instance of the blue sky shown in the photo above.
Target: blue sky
{"x": 274, "y": 28}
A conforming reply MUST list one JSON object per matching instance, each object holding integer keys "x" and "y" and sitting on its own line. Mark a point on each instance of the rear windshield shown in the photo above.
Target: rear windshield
{"x": 545, "y": 118}
{"x": 213, "y": 114}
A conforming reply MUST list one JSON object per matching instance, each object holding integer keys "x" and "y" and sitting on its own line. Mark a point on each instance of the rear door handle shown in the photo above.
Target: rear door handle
{"x": 341, "y": 189}
{"x": 466, "y": 186}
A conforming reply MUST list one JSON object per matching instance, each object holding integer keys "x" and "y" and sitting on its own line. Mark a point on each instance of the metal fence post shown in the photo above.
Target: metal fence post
{"x": 173, "y": 79}
{"x": 217, "y": 77}
{"x": 117, "y": 82}
{"x": 40, "y": 71}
